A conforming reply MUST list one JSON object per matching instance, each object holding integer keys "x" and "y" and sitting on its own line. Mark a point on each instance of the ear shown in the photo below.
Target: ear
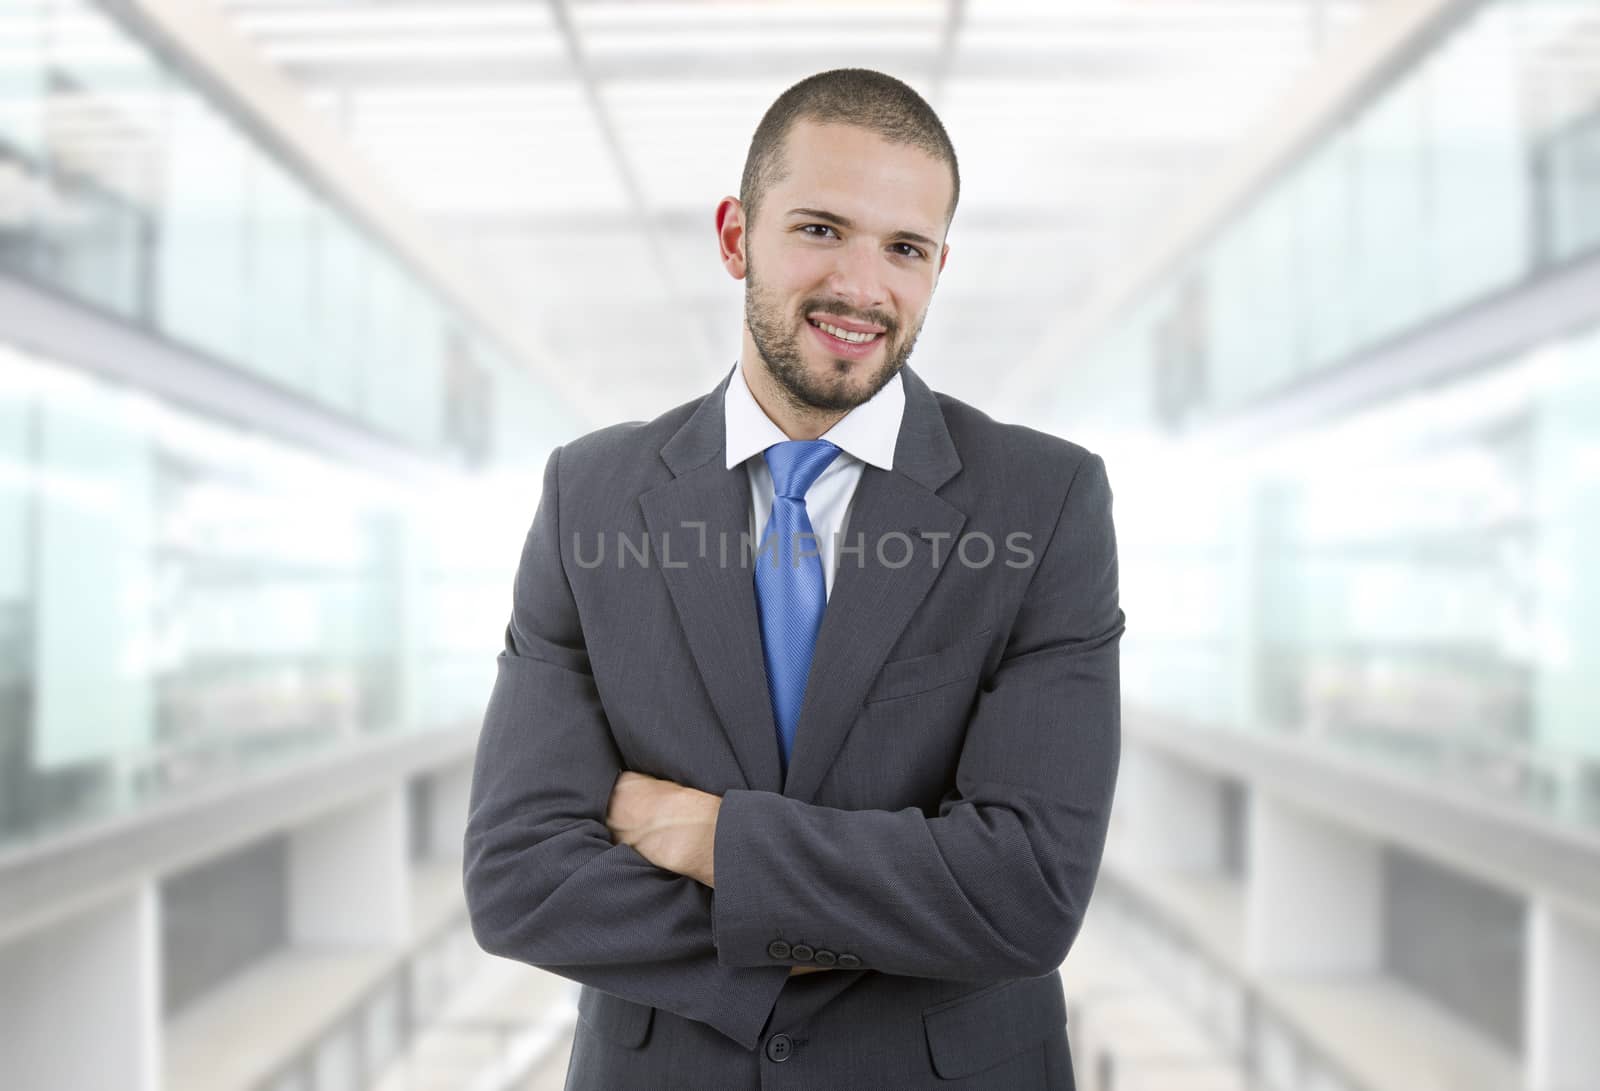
{"x": 731, "y": 236}
{"x": 943, "y": 254}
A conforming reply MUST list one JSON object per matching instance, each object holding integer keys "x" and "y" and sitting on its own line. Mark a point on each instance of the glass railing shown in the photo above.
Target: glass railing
{"x": 1262, "y": 1048}
{"x": 1470, "y": 171}
{"x": 182, "y": 602}
{"x": 1413, "y": 583}
{"x": 126, "y": 185}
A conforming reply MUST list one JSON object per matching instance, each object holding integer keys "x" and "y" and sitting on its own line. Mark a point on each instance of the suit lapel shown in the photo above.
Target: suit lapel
{"x": 713, "y": 592}
{"x": 873, "y": 597}
{"x": 876, "y": 590}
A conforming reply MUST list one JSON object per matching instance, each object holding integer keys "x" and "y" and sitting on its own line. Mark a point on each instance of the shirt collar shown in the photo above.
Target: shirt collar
{"x": 868, "y": 432}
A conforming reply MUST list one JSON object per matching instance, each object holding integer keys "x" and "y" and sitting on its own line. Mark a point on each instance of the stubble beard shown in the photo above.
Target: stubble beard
{"x": 778, "y": 344}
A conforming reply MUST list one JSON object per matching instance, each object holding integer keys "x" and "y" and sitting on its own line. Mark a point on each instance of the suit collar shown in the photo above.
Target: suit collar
{"x": 897, "y": 515}
{"x": 923, "y": 450}
{"x": 866, "y": 433}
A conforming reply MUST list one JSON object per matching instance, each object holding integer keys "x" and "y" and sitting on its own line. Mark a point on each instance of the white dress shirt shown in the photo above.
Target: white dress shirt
{"x": 865, "y": 434}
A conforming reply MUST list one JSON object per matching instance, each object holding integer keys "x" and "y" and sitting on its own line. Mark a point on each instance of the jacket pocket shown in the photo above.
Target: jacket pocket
{"x": 613, "y": 1018}
{"x": 920, "y": 673}
{"x": 983, "y": 1028}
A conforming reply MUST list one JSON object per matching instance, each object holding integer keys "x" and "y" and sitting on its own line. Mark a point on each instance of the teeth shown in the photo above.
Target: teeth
{"x": 845, "y": 335}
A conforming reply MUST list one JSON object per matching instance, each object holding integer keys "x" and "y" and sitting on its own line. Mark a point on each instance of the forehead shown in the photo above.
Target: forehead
{"x": 859, "y": 174}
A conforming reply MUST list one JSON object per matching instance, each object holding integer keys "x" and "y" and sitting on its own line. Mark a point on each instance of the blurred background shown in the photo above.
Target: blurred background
{"x": 297, "y": 295}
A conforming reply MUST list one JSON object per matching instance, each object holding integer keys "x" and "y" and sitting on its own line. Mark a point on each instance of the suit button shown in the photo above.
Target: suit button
{"x": 825, "y": 957}
{"x": 779, "y": 1048}
{"x": 801, "y": 952}
{"x": 848, "y": 962}
{"x": 778, "y": 949}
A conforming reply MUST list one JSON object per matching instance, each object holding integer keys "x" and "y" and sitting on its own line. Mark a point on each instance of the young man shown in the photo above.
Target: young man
{"x": 804, "y": 737}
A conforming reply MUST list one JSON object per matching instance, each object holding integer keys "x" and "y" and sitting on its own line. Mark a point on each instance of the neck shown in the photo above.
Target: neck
{"x": 794, "y": 418}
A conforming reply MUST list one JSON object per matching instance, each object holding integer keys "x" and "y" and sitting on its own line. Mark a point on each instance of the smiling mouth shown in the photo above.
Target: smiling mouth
{"x": 848, "y": 337}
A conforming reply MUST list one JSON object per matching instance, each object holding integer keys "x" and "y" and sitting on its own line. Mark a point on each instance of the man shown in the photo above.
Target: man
{"x": 824, "y": 813}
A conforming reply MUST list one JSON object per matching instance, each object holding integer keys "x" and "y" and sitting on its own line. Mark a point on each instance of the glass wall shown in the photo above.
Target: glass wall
{"x": 1414, "y": 582}
{"x": 124, "y": 186}
{"x": 1474, "y": 170}
{"x": 182, "y": 602}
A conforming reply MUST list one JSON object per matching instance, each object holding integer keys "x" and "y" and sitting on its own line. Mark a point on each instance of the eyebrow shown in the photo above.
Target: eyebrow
{"x": 840, "y": 221}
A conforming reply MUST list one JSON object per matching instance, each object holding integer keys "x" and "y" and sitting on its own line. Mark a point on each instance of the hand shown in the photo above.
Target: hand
{"x": 807, "y": 969}
{"x": 671, "y": 825}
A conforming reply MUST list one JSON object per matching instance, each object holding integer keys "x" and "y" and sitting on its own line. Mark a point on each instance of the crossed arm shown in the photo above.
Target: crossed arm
{"x": 568, "y": 866}
{"x": 671, "y": 825}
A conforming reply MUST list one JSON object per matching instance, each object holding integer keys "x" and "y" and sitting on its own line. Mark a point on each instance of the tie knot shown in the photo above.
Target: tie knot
{"x": 796, "y": 463}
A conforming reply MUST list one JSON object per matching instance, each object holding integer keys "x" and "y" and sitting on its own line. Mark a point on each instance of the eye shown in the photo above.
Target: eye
{"x": 808, "y": 227}
{"x": 916, "y": 251}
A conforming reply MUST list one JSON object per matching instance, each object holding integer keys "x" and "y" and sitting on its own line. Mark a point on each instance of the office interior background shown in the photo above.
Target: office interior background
{"x": 297, "y": 295}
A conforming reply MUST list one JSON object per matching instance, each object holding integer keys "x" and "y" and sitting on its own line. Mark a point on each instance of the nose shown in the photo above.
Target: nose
{"x": 855, "y": 279}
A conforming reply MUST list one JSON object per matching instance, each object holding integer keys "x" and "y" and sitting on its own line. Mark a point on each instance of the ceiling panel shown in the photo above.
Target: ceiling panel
{"x": 575, "y": 151}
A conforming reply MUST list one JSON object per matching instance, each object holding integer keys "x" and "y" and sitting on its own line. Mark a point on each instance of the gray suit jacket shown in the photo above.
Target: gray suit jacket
{"x": 940, "y": 827}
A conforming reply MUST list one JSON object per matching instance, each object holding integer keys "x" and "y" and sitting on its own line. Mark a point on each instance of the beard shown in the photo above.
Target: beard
{"x": 778, "y": 343}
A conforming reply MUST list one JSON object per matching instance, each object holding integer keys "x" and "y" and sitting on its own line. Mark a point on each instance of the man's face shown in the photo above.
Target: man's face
{"x": 852, "y": 237}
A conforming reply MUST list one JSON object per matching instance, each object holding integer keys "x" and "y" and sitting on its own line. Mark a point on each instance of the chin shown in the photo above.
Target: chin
{"x": 845, "y": 373}
{"x": 855, "y": 388}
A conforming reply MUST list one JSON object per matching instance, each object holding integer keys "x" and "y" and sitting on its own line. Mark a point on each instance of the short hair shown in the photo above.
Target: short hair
{"x": 850, "y": 96}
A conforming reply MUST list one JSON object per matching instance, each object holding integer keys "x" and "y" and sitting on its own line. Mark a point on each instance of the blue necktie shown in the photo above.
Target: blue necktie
{"x": 790, "y": 595}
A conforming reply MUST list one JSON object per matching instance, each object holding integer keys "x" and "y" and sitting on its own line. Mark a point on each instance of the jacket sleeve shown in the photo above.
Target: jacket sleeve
{"x": 996, "y": 884}
{"x": 545, "y": 884}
